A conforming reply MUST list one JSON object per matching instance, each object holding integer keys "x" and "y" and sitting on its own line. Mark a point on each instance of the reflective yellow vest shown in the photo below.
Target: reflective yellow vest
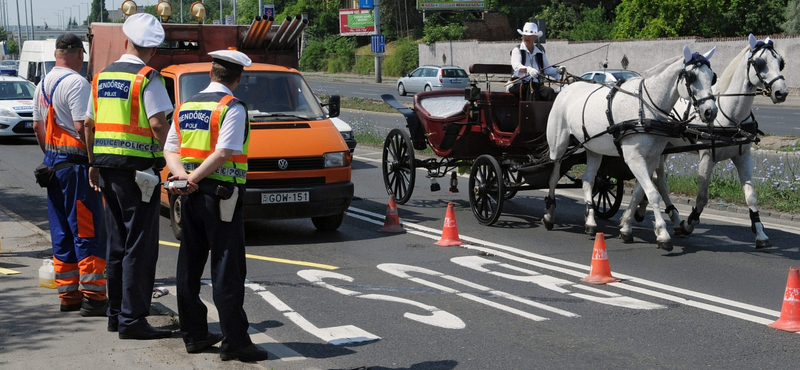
{"x": 123, "y": 137}
{"x": 197, "y": 122}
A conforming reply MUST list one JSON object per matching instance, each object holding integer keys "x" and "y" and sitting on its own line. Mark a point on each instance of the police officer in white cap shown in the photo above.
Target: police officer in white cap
{"x": 125, "y": 128}
{"x": 207, "y": 147}
{"x": 528, "y": 61}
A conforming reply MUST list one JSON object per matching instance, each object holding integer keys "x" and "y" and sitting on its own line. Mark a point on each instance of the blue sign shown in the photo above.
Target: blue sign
{"x": 269, "y": 10}
{"x": 365, "y": 4}
{"x": 378, "y": 43}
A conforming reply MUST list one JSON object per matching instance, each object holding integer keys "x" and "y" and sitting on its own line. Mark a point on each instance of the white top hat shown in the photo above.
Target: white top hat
{"x": 530, "y": 29}
{"x": 228, "y": 57}
{"x": 144, "y": 30}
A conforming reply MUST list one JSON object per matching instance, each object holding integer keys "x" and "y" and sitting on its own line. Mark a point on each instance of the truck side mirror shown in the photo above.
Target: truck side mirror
{"x": 333, "y": 106}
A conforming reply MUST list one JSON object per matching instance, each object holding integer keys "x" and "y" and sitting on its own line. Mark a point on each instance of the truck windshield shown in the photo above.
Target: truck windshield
{"x": 279, "y": 94}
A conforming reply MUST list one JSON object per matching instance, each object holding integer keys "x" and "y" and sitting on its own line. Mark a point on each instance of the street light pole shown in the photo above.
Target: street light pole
{"x": 79, "y": 15}
{"x": 32, "y": 27}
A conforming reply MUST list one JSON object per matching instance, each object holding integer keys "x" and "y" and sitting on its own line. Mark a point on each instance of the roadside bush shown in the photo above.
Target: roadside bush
{"x": 365, "y": 64}
{"x": 333, "y": 53}
{"x": 404, "y": 59}
{"x": 314, "y": 55}
{"x": 435, "y": 32}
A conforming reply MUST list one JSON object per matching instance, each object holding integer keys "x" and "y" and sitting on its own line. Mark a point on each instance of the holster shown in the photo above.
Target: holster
{"x": 147, "y": 182}
{"x": 228, "y": 206}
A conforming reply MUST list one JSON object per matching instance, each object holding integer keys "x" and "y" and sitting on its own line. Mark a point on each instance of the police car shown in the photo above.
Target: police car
{"x": 16, "y": 106}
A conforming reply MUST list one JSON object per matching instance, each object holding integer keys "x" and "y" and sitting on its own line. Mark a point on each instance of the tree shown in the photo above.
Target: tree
{"x": 12, "y": 46}
{"x": 668, "y": 18}
{"x": 792, "y": 16}
{"x": 593, "y": 26}
{"x": 763, "y": 17}
{"x": 3, "y": 34}
{"x": 99, "y": 12}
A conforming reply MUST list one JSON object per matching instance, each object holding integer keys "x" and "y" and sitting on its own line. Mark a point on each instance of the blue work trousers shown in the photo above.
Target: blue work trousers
{"x": 203, "y": 231}
{"x": 132, "y": 227}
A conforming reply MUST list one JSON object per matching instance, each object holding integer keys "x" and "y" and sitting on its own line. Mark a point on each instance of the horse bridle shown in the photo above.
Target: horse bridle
{"x": 689, "y": 77}
{"x": 759, "y": 64}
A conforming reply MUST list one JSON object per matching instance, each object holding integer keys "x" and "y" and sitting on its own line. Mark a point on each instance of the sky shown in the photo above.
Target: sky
{"x": 52, "y": 11}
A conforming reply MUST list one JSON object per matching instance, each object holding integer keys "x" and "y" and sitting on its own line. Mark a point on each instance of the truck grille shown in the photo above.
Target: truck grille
{"x": 294, "y": 164}
{"x": 283, "y": 183}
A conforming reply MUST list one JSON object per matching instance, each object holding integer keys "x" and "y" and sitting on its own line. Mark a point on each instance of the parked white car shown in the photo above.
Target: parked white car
{"x": 16, "y": 106}
{"x": 609, "y": 76}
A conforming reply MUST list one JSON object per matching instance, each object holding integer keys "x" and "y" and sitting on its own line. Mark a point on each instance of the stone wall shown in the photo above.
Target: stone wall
{"x": 641, "y": 54}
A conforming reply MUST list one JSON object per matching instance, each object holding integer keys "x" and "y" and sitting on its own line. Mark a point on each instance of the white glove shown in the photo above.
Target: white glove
{"x": 533, "y": 73}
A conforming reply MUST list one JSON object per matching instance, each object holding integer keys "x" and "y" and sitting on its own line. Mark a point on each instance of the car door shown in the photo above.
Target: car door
{"x": 415, "y": 81}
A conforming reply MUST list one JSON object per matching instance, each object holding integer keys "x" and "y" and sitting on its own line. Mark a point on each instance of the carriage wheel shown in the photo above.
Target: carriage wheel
{"x": 607, "y": 196}
{"x": 398, "y": 165}
{"x": 486, "y": 189}
{"x": 512, "y": 177}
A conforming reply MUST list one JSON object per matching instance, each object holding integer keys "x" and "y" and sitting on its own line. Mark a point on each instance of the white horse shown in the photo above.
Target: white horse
{"x": 757, "y": 66}
{"x": 579, "y": 110}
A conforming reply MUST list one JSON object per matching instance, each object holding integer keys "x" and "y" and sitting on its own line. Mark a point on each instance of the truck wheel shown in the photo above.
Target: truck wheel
{"x": 175, "y": 215}
{"x": 328, "y": 223}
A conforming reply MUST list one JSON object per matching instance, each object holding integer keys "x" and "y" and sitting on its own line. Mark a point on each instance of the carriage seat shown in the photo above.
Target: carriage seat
{"x": 444, "y": 107}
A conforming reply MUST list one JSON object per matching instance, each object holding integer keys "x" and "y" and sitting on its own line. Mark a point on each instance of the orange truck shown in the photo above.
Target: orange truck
{"x": 299, "y": 166}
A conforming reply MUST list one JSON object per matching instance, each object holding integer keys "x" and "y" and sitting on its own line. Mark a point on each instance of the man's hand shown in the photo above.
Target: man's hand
{"x": 191, "y": 187}
{"x": 94, "y": 178}
{"x": 533, "y": 73}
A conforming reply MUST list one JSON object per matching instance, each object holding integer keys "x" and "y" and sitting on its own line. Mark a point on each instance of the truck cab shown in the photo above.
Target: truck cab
{"x": 299, "y": 166}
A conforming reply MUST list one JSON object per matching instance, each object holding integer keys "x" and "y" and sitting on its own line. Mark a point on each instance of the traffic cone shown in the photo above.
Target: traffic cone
{"x": 450, "y": 229}
{"x": 391, "y": 223}
{"x": 790, "y": 312}
{"x": 600, "y": 273}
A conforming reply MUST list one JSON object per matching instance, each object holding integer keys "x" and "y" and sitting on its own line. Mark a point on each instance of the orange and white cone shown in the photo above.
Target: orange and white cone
{"x": 790, "y": 312}
{"x": 391, "y": 223}
{"x": 450, "y": 230}
{"x": 600, "y": 273}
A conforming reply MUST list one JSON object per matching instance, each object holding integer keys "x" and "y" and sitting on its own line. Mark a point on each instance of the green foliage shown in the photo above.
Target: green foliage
{"x": 761, "y": 17}
{"x": 792, "y": 16}
{"x": 365, "y": 65}
{"x": 437, "y": 32}
{"x": 593, "y": 26}
{"x": 334, "y": 54}
{"x": 403, "y": 60}
{"x": 323, "y": 16}
{"x": 13, "y": 47}
{"x": 519, "y": 12}
{"x": 561, "y": 20}
{"x": 3, "y": 34}
{"x": 668, "y": 18}
{"x": 96, "y": 14}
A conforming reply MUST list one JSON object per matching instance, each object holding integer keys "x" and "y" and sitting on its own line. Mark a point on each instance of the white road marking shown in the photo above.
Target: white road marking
{"x": 438, "y": 317}
{"x": 258, "y": 338}
{"x": 336, "y": 335}
{"x": 630, "y": 282}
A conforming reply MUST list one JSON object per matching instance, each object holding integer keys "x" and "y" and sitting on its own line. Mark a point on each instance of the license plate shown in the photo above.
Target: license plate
{"x": 455, "y": 81}
{"x": 273, "y": 198}
{"x": 28, "y": 124}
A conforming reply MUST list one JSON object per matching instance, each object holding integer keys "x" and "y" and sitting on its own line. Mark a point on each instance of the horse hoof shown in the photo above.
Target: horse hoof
{"x": 763, "y": 244}
{"x": 684, "y": 230}
{"x": 548, "y": 225}
{"x": 590, "y": 230}
{"x": 626, "y": 238}
{"x": 667, "y": 246}
{"x": 677, "y": 230}
{"x": 638, "y": 217}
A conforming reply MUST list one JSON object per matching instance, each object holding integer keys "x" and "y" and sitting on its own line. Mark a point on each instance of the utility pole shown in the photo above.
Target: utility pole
{"x": 32, "y": 27}
{"x": 19, "y": 29}
{"x": 376, "y": 5}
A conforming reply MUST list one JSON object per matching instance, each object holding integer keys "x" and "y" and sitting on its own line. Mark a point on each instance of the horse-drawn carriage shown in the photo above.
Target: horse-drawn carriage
{"x": 498, "y": 137}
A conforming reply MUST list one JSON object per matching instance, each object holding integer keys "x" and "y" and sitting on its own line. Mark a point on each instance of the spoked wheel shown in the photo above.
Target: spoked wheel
{"x": 486, "y": 189}
{"x": 512, "y": 177}
{"x": 607, "y": 196}
{"x": 398, "y": 165}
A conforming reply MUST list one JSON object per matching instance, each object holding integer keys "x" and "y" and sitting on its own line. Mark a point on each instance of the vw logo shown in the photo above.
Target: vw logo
{"x": 283, "y": 164}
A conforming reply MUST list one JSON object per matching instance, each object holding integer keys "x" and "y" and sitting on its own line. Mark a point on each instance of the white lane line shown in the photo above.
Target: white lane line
{"x": 498, "y": 248}
{"x": 258, "y": 338}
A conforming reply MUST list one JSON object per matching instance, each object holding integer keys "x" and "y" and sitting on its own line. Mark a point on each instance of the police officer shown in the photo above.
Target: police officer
{"x": 128, "y": 116}
{"x": 207, "y": 146}
{"x": 75, "y": 210}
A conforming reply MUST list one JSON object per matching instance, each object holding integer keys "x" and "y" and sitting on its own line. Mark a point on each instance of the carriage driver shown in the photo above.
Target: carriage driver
{"x": 528, "y": 61}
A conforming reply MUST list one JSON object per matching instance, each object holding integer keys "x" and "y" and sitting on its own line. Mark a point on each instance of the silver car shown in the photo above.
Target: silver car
{"x": 427, "y": 78}
{"x": 609, "y": 75}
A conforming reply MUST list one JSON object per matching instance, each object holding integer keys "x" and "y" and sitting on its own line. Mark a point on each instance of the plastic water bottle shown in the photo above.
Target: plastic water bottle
{"x": 47, "y": 275}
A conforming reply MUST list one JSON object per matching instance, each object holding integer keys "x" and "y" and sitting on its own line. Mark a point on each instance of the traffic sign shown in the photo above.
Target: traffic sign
{"x": 378, "y": 43}
{"x": 269, "y": 10}
{"x": 366, "y": 4}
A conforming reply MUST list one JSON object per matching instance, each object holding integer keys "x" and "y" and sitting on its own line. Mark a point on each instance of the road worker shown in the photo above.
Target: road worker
{"x": 75, "y": 210}
{"x": 207, "y": 147}
{"x": 126, "y": 124}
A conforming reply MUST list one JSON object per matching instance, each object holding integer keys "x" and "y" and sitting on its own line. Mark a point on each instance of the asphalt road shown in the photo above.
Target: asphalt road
{"x": 509, "y": 299}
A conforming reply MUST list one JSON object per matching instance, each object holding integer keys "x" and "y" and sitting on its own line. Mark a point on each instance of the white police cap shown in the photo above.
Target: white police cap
{"x": 231, "y": 59}
{"x": 144, "y": 30}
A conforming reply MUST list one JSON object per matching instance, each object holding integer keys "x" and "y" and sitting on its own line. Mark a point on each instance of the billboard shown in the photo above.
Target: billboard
{"x": 356, "y": 22}
{"x": 451, "y": 4}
